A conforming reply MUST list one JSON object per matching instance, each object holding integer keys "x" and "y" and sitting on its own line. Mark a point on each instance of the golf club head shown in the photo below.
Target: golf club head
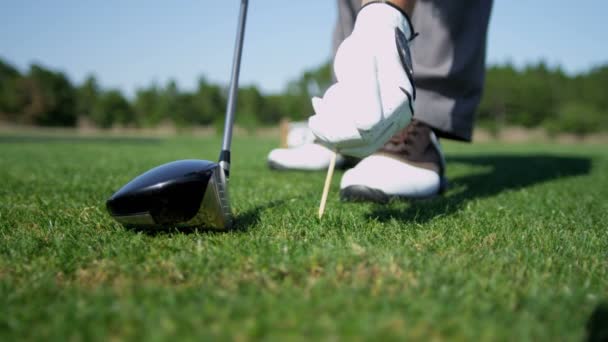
{"x": 183, "y": 193}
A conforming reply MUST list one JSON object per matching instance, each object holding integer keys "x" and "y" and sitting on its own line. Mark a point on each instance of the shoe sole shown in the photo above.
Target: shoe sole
{"x": 362, "y": 193}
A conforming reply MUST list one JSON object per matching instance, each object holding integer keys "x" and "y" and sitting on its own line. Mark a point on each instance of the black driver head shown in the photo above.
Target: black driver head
{"x": 184, "y": 193}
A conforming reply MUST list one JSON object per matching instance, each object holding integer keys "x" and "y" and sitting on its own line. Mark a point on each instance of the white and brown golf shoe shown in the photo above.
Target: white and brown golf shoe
{"x": 409, "y": 166}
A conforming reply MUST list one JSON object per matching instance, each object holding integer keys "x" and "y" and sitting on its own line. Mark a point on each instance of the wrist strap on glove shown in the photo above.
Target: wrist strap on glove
{"x": 407, "y": 17}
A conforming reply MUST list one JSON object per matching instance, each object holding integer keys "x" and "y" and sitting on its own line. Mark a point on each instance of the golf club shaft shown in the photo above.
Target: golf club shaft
{"x": 234, "y": 87}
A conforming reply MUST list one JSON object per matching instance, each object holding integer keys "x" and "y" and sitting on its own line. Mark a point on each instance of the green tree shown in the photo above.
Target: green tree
{"x": 49, "y": 97}
{"x": 577, "y": 117}
{"x": 209, "y": 101}
{"x": 147, "y": 107}
{"x": 168, "y": 105}
{"x": 10, "y": 99}
{"x": 87, "y": 96}
{"x": 250, "y": 107}
{"x": 185, "y": 111}
{"x": 112, "y": 108}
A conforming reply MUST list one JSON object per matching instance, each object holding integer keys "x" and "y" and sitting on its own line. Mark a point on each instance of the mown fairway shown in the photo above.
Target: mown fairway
{"x": 516, "y": 250}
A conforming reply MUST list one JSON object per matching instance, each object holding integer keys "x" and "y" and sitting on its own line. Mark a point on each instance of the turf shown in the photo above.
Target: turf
{"x": 517, "y": 249}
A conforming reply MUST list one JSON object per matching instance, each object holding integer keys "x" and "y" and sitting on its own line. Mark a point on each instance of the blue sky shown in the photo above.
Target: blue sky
{"x": 129, "y": 44}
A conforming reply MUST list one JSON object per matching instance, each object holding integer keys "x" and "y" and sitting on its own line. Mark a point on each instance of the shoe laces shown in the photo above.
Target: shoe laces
{"x": 407, "y": 136}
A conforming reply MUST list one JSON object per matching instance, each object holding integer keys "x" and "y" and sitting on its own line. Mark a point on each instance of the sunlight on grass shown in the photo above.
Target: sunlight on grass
{"x": 515, "y": 250}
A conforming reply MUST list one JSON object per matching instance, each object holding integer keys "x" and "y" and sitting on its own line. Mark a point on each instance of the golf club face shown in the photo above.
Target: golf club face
{"x": 183, "y": 193}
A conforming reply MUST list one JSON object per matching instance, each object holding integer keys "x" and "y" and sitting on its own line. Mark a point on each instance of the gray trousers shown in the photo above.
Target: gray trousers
{"x": 448, "y": 56}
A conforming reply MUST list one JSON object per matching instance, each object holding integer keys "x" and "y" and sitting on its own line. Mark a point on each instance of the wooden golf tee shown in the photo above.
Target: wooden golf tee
{"x": 330, "y": 175}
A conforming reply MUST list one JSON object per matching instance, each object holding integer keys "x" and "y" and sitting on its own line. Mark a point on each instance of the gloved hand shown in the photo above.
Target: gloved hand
{"x": 374, "y": 94}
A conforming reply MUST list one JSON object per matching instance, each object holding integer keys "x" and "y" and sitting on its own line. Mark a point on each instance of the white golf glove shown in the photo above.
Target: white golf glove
{"x": 374, "y": 94}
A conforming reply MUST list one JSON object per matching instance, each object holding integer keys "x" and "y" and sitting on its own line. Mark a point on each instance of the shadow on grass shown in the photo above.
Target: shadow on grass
{"x": 597, "y": 325}
{"x": 76, "y": 139}
{"x": 242, "y": 223}
{"x": 507, "y": 172}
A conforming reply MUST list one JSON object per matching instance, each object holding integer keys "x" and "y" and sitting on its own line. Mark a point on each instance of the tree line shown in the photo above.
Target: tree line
{"x": 539, "y": 96}
{"x": 535, "y": 96}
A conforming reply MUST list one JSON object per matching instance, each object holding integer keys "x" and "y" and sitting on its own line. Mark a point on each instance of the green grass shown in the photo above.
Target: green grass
{"x": 516, "y": 250}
